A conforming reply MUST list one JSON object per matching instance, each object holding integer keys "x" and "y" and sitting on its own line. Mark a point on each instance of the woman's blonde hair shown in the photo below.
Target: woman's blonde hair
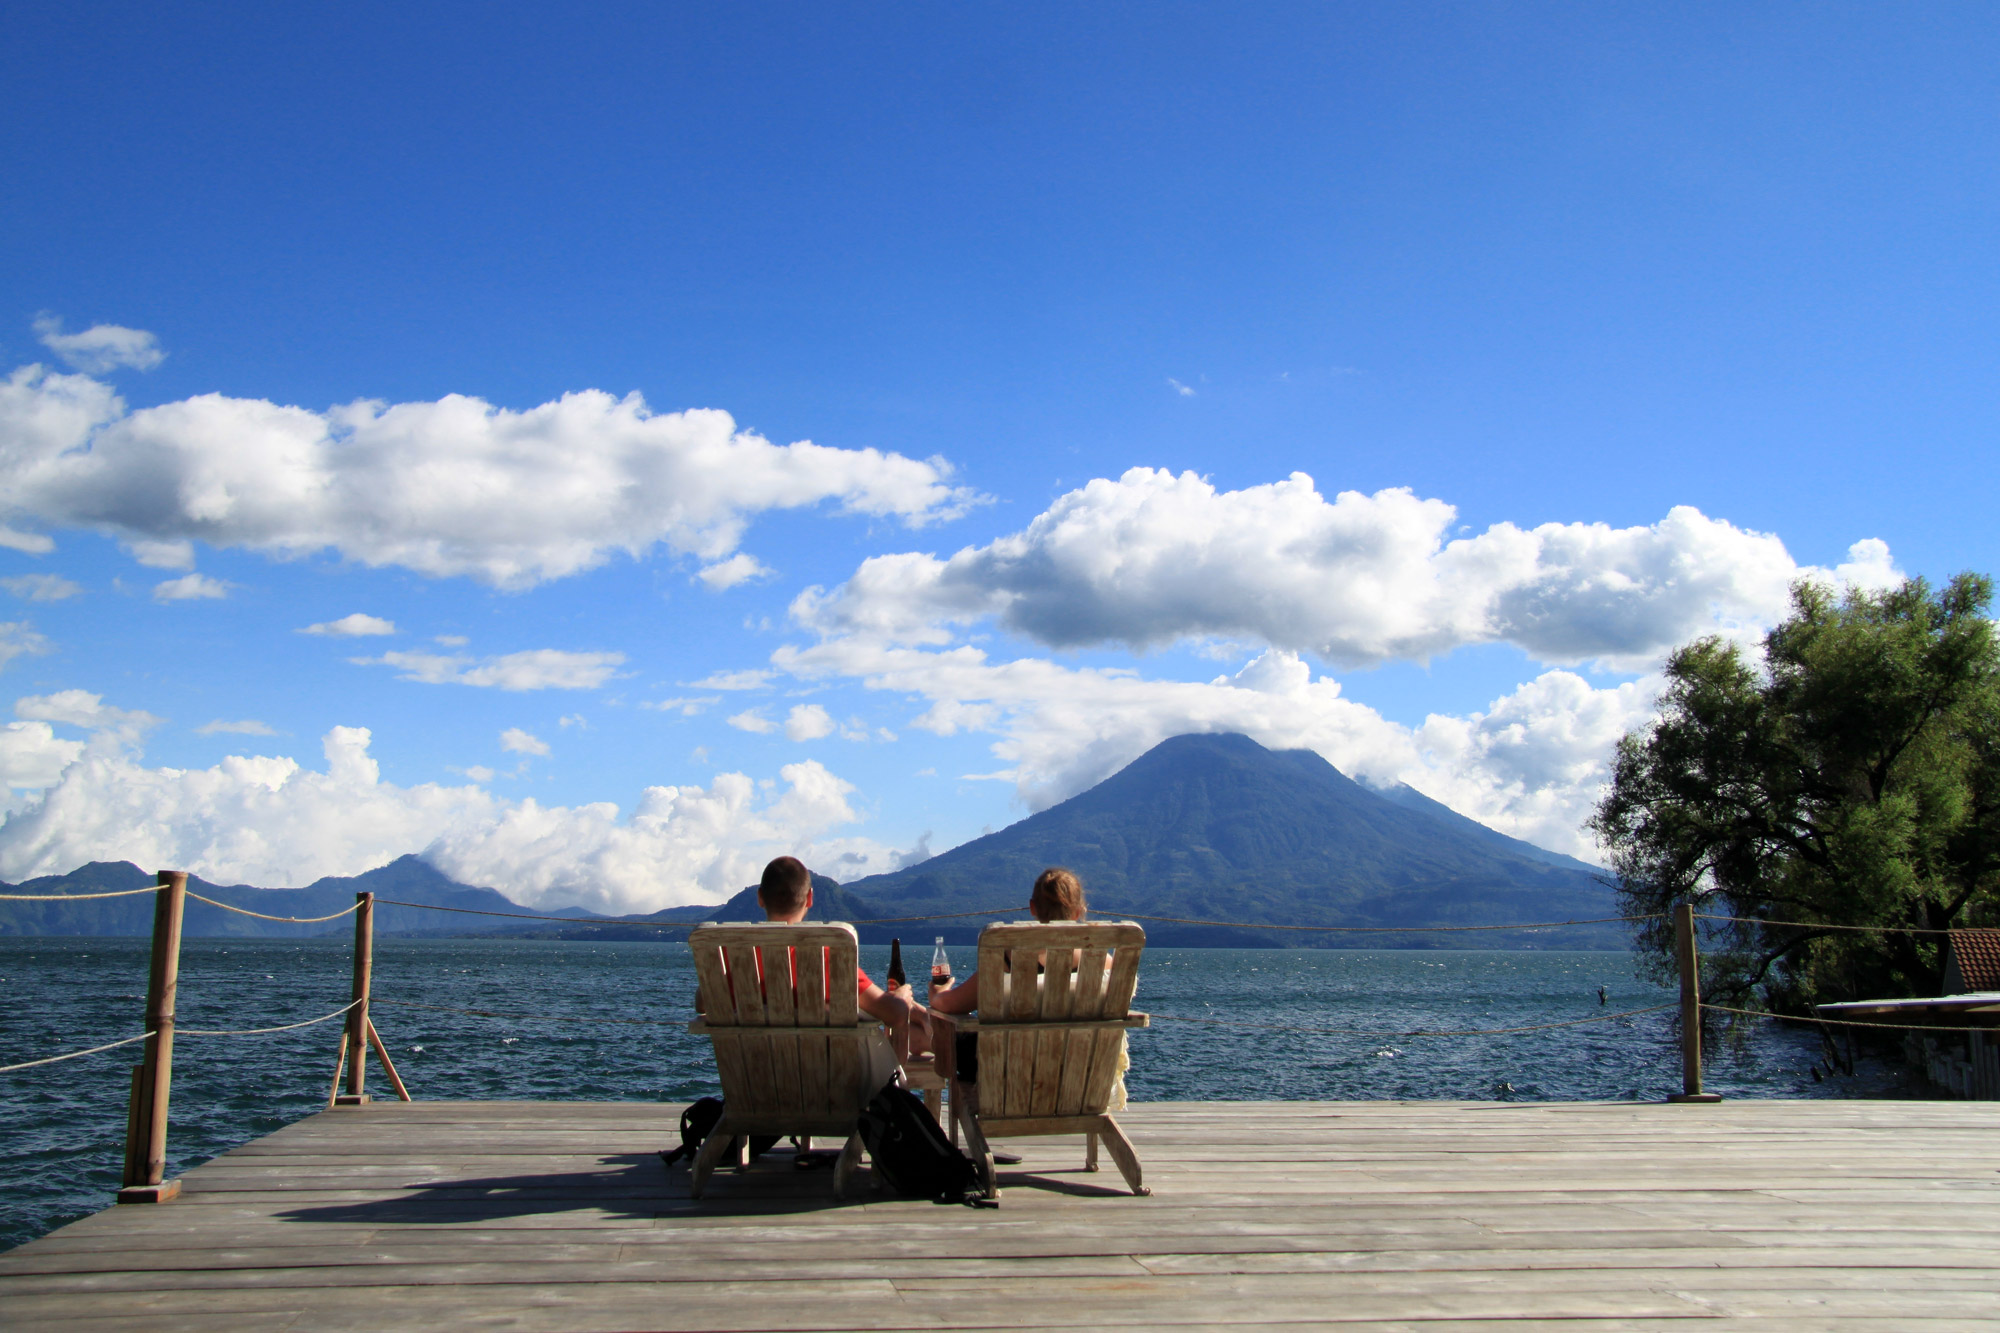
{"x": 1058, "y": 896}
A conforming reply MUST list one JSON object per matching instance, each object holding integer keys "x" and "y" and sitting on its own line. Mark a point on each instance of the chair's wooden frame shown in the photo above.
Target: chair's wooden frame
{"x": 789, "y": 1056}
{"x": 1054, "y": 1006}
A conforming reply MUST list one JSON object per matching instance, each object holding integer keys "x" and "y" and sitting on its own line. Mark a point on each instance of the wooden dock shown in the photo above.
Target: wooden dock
{"x": 1364, "y": 1215}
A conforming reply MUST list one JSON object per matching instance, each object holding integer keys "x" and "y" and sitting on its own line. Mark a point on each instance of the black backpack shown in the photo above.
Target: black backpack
{"x": 698, "y": 1121}
{"x": 911, "y": 1153}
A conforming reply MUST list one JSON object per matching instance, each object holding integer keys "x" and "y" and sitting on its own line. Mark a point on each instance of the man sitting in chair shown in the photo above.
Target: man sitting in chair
{"x": 786, "y": 894}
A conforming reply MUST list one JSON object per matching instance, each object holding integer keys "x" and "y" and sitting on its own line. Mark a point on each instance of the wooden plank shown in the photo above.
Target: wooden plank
{"x": 1853, "y": 1218}
{"x": 745, "y": 987}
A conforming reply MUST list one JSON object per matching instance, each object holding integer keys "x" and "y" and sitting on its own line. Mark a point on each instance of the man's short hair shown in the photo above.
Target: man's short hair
{"x": 785, "y": 885}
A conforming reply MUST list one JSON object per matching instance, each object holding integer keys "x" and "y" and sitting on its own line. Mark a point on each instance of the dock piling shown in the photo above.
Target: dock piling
{"x": 146, "y": 1117}
{"x": 358, "y": 1026}
{"x": 1688, "y": 955}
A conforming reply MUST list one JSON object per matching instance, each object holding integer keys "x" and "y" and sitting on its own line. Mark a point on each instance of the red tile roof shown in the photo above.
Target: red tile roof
{"x": 1977, "y": 953}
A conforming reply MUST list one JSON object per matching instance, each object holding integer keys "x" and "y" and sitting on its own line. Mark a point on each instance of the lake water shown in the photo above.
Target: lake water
{"x": 62, "y": 1126}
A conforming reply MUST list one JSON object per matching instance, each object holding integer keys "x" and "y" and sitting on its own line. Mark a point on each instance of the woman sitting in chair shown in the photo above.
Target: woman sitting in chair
{"x": 1058, "y": 896}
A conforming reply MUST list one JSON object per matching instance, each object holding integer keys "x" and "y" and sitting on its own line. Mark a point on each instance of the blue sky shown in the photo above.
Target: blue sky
{"x": 1578, "y": 266}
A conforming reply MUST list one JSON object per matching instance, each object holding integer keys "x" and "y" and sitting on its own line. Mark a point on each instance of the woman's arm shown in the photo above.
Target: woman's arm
{"x": 960, "y": 999}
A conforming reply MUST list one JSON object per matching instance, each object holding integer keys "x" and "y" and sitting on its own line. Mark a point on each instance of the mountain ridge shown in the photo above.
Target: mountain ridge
{"x": 1207, "y": 827}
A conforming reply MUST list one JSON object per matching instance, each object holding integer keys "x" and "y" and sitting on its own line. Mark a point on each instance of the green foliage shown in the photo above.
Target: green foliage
{"x": 1853, "y": 779}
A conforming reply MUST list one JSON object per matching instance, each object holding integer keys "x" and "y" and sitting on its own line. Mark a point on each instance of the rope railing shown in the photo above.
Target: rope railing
{"x": 266, "y": 916}
{"x": 1841, "y": 1022}
{"x": 1412, "y": 1032}
{"x": 258, "y": 1032}
{"x": 75, "y": 1055}
{"x": 546, "y": 1018}
{"x": 73, "y": 897}
{"x": 1375, "y": 930}
{"x": 663, "y": 925}
{"x": 1822, "y": 925}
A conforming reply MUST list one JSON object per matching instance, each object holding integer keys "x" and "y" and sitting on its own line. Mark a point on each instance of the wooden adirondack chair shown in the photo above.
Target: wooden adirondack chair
{"x": 779, "y": 1003}
{"x": 1054, "y": 1005}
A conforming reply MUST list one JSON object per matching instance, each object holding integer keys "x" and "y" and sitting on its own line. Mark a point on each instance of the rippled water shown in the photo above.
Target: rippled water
{"x": 62, "y": 1126}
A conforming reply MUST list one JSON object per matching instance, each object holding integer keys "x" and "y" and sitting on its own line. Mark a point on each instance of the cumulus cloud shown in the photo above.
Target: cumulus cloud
{"x": 101, "y": 347}
{"x": 536, "y": 669}
{"x": 516, "y": 741}
{"x": 117, "y": 728}
{"x": 162, "y": 555}
{"x": 41, "y": 587}
{"x": 808, "y": 722}
{"x": 1181, "y": 389}
{"x": 753, "y": 721}
{"x": 190, "y": 588}
{"x": 1153, "y": 558}
{"x": 739, "y": 568}
{"x": 451, "y": 487}
{"x": 356, "y": 626}
{"x": 18, "y": 638}
{"x": 249, "y": 726}
{"x": 268, "y": 820}
{"x": 31, "y": 755}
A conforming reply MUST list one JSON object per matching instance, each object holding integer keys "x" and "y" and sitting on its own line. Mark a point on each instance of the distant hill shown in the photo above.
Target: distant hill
{"x": 407, "y": 878}
{"x": 1220, "y": 828}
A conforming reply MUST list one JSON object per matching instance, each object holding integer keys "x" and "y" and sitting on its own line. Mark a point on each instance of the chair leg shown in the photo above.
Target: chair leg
{"x": 1121, "y": 1152}
{"x": 981, "y": 1155}
{"x": 1090, "y": 1151}
{"x": 742, "y": 1162}
{"x": 707, "y": 1158}
{"x": 843, "y": 1170}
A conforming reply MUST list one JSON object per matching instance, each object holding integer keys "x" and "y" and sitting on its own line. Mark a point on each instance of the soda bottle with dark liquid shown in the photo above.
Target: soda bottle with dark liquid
{"x": 940, "y": 969}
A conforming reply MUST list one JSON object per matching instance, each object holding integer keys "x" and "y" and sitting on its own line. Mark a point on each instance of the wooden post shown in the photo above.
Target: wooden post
{"x": 357, "y": 1017}
{"x": 1689, "y": 959}
{"x": 146, "y": 1120}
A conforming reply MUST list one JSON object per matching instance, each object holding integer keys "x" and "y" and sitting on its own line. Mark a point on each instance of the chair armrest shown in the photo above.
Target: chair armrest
{"x": 944, "y": 1044}
{"x": 701, "y": 1025}
{"x": 1134, "y": 1019}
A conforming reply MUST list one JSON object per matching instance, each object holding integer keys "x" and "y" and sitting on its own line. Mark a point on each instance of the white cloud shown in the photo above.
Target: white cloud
{"x": 516, "y": 741}
{"x": 478, "y": 773}
{"x": 31, "y": 543}
{"x": 268, "y": 820}
{"x": 101, "y": 347}
{"x": 512, "y": 498}
{"x": 162, "y": 555}
{"x": 808, "y": 722}
{"x": 18, "y": 638}
{"x": 1179, "y": 388}
{"x": 536, "y": 669}
{"x": 753, "y": 721}
{"x": 356, "y": 626}
{"x": 568, "y": 720}
{"x": 247, "y": 727}
{"x": 116, "y": 728}
{"x": 734, "y": 680}
{"x": 41, "y": 587}
{"x": 739, "y": 568}
{"x": 451, "y": 640}
{"x": 689, "y": 707}
{"x": 190, "y": 588}
{"x": 1153, "y": 558}
{"x": 31, "y": 756}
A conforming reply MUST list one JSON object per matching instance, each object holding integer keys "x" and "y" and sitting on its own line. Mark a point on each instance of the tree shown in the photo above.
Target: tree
{"x": 1850, "y": 779}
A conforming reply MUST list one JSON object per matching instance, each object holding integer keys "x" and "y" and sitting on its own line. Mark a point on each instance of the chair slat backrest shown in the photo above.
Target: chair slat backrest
{"x": 1060, "y": 972}
{"x": 780, "y": 1004}
{"x": 740, "y": 968}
